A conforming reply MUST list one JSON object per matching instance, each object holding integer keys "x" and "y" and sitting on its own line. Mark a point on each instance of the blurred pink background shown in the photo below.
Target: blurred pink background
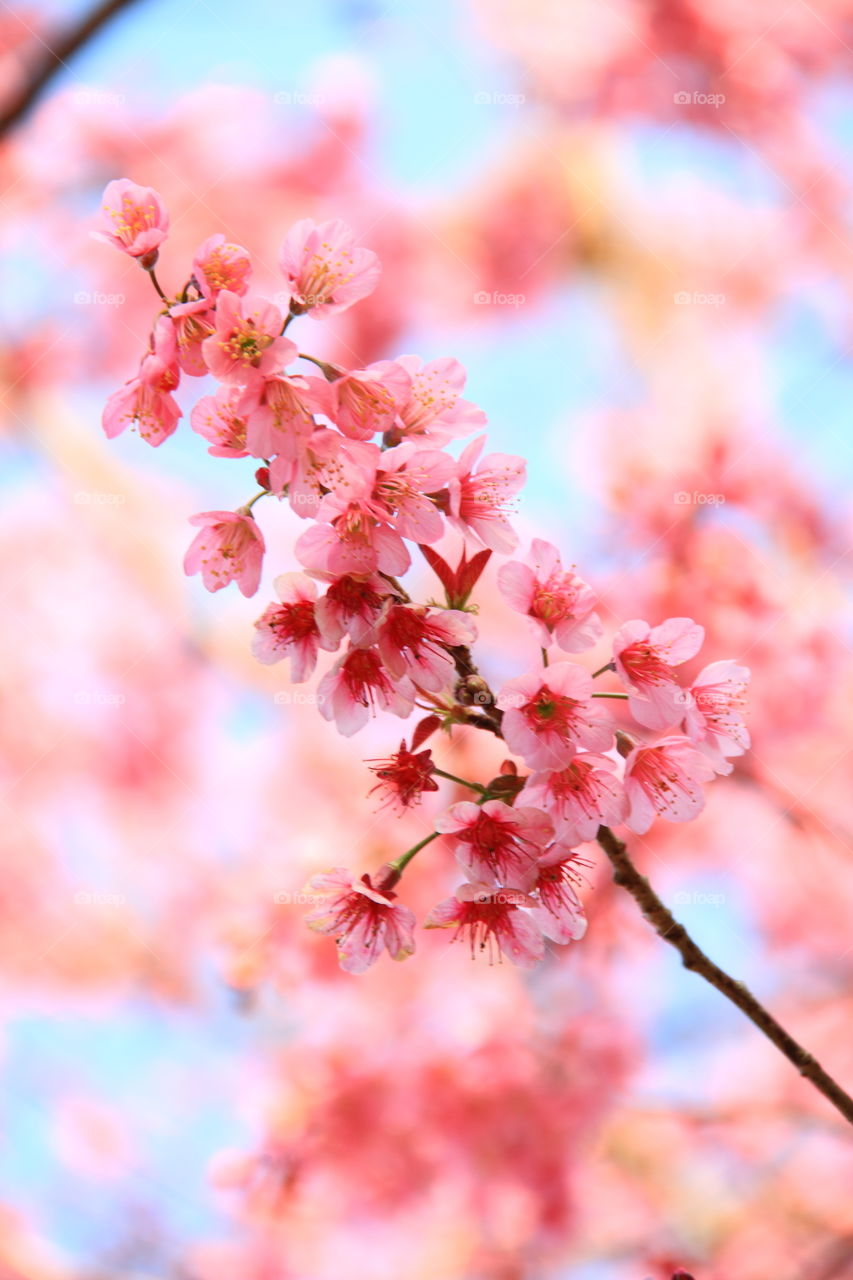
{"x": 631, "y": 222}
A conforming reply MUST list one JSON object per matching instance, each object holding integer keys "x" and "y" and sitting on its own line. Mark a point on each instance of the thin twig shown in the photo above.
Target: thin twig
{"x": 54, "y": 56}
{"x": 693, "y": 957}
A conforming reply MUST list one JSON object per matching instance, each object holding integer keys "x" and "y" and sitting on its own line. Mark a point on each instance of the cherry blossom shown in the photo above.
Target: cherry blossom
{"x": 550, "y": 714}
{"x": 494, "y": 921}
{"x": 291, "y": 628}
{"x": 713, "y": 719}
{"x": 365, "y": 402}
{"x": 560, "y": 914}
{"x": 478, "y": 499}
{"x": 405, "y": 776}
{"x": 645, "y": 658}
{"x": 414, "y": 642}
{"x": 351, "y": 605}
{"x": 665, "y": 779}
{"x": 580, "y": 797}
{"x": 324, "y": 267}
{"x": 133, "y": 218}
{"x": 359, "y": 683}
{"x": 362, "y": 916}
{"x": 247, "y": 340}
{"x": 434, "y": 409}
{"x": 229, "y": 547}
{"x": 218, "y": 265}
{"x": 221, "y": 419}
{"x": 559, "y": 603}
{"x": 495, "y": 843}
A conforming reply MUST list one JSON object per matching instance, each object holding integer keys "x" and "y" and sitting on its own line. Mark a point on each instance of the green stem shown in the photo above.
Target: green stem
{"x": 405, "y": 858}
{"x": 609, "y": 695}
{"x": 329, "y": 372}
{"x": 544, "y": 656}
{"x": 156, "y": 283}
{"x": 451, "y": 777}
{"x": 248, "y": 507}
{"x": 608, "y": 666}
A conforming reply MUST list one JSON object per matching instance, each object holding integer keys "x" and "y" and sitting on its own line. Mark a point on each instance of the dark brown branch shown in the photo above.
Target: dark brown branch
{"x": 667, "y": 927}
{"x": 54, "y": 56}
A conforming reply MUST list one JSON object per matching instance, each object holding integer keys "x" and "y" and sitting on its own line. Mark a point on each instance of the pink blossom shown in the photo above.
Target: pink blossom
{"x": 159, "y": 366}
{"x": 477, "y": 501}
{"x": 229, "y": 547}
{"x": 363, "y": 917}
{"x": 713, "y": 719}
{"x": 405, "y": 477}
{"x": 370, "y": 489}
{"x": 366, "y": 401}
{"x": 194, "y": 323}
{"x": 325, "y": 269}
{"x": 280, "y": 415}
{"x": 580, "y": 798}
{"x": 133, "y": 219}
{"x": 493, "y": 921}
{"x": 404, "y": 776}
{"x": 309, "y": 467}
{"x": 219, "y": 418}
{"x": 218, "y": 265}
{"x": 414, "y": 642}
{"x": 496, "y": 843}
{"x": 350, "y": 606}
{"x": 291, "y": 629}
{"x": 560, "y": 603}
{"x": 664, "y": 779}
{"x": 560, "y": 914}
{"x": 549, "y": 714}
{"x": 645, "y": 658}
{"x": 434, "y": 408}
{"x": 357, "y": 684}
{"x": 247, "y": 340}
{"x": 156, "y": 412}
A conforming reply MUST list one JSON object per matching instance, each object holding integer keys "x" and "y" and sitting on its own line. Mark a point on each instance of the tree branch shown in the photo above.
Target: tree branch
{"x": 54, "y": 57}
{"x": 667, "y": 927}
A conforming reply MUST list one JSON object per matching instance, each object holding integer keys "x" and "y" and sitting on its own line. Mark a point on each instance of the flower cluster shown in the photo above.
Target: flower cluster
{"x": 363, "y": 457}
